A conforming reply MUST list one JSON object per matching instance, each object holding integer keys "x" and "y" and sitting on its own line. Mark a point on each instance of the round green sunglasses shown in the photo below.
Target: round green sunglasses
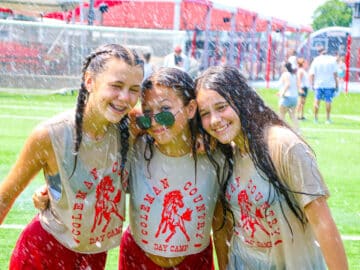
{"x": 164, "y": 118}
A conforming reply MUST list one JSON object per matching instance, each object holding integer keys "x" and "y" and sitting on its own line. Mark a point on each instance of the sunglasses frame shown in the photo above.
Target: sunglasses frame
{"x": 158, "y": 117}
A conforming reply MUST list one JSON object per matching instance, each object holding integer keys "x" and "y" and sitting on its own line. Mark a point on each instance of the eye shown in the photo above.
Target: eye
{"x": 165, "y": 108}
{"x": 204, "y": 113}
{"x": 221, "y": 107}
{"x": 135, "y": 89}
{"x": 117, "y": 86}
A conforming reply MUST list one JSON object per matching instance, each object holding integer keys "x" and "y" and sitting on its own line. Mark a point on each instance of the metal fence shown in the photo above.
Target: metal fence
{"x": 40, "y": 55}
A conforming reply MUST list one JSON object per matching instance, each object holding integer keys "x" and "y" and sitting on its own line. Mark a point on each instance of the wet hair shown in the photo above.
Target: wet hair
{"x": 289, "y": 68}
{"x": 183, "y": 85}
{"x": 147, "y": 56}
{"x": 96, "y": 62}
{"x": 255, "y": 117}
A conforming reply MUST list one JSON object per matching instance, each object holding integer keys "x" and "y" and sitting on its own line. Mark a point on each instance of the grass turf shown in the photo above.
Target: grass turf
{"x": 336, "y": 146}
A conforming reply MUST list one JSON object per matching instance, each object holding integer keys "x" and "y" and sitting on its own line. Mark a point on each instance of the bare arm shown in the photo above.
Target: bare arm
{"x": 32, "y": 158}
{"x": 221, "y": 236}
{"x": 311, "y": 78}
{"x": 327, "y": 234}
{"x": 299, "y": 79}
{"x": 336, "y": 80}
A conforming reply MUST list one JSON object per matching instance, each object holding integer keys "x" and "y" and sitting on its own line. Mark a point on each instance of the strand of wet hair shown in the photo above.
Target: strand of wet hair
{"x": 148, "y": 152}
{"x": 223, "y": 178}
{"x": 80, "y": 107}
{"x": 123, "y": 127}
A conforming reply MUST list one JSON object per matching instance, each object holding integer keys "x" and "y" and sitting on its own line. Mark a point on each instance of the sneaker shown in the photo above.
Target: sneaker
{"x": 328, "y": 122}
{"x": 316, "y": 121}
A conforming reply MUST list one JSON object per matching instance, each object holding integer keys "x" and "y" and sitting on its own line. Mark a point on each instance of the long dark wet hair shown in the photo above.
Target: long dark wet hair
{"x": 184, "y": 87}
{"x": 255, "y": 117}
{"x": 96, "y": 62}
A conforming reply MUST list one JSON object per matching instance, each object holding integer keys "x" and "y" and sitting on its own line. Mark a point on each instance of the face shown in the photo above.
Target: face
{"x": 115, "y": 91}
{"x": 161, "y": 99}
{"x": 217, "y": 116}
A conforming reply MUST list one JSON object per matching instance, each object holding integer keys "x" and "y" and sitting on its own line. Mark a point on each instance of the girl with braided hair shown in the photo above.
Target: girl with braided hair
{"x": 277, "y": 196}
{"x": 83, "y": 155}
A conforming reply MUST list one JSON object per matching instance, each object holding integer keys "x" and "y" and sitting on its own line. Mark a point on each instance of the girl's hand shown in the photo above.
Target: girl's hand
{"x": 41, "y": 198}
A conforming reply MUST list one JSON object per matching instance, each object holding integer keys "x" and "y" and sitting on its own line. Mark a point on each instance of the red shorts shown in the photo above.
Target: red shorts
{"x": 36, "y": 249}
{"x": 132, "y": 257}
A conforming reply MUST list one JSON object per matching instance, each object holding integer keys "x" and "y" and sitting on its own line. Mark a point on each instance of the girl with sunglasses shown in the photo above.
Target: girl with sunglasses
{"x": 280, "y": 218}
{"x": 173, "y": 191}
{"x": 87, "y": 197}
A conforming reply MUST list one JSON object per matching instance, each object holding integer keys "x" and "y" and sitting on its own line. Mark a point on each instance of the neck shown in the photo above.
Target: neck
{"x": 177, "y": 147}
{"x": 242, "y": 143}
{"x": 94, "y": 126}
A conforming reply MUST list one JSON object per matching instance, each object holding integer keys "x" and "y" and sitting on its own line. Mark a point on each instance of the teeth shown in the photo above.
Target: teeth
{"x": 221, "y": 129}
{"x": 119, "y": 108}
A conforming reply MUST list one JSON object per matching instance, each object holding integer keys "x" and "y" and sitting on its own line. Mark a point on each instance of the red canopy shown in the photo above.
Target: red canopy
{"x": 154, "y": 14}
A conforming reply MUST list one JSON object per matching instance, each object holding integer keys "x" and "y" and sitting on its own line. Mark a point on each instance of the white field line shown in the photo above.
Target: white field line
{"x": 332, "y": 130}
{"x": 8, "y": 116}
{"x": 42, "y": 107}
{"x": 21, "y": 227}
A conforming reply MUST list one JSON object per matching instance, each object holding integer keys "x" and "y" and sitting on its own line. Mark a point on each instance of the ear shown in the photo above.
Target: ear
{"x": 89, "y": 81}
{"x": 191, "y": 108}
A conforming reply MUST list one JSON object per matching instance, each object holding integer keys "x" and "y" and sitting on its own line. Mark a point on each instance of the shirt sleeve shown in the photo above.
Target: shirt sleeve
{"x": 296, "y": 165}
{"x": 300, "y": 172}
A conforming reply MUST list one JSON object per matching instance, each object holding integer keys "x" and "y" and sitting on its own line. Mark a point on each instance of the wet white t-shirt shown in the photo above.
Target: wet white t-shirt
{"x": 87, "y": 211}
{"x": 262, "y": 235}
{"x": 171, "y": 210}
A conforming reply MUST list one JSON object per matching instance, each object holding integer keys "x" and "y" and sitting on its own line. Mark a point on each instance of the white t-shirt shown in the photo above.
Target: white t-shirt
{"x": 87, "y": 211}
{"x": 262, "y": 237}
{"x": 171, "y": 211}
{"x": 323, "y": 68}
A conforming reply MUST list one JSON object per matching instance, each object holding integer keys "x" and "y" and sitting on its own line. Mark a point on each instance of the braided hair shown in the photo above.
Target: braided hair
{"x": 96, "y": 62}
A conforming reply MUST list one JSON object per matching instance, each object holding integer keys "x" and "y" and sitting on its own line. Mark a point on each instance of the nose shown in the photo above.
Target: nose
{"x": 214, "y": 118}
{"x": 124, "y": 95}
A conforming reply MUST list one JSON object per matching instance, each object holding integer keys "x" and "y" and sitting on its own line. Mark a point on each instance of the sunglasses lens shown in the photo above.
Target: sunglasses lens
{"x": 165, "y": 118}
{"x": 144, "y": 122}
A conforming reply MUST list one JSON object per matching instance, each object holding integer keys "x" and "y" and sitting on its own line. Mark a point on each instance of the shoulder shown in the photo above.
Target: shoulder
{"x": 280, "y": 137}
{"x": 38, "y": 143}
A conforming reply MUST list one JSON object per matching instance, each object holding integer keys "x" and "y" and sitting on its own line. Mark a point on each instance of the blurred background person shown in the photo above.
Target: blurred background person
{"x": 288, "y": 94}
{"x": 304, "y": 84}
{"x": 340, "y": 73}
{"x": 177, "y": 59}
{"x": 148, "y": 67}
{"x": 323, "y": 78}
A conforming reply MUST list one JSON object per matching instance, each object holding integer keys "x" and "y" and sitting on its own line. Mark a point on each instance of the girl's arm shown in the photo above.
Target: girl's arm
{"x": 221, "y": 236}
{"x": 33, "y": 157}
{"x": 299, "y": 80}
{"x": 327, "y": 234}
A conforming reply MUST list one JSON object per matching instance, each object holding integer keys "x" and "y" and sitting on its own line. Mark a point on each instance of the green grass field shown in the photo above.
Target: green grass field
{"x": 337, "y": 147}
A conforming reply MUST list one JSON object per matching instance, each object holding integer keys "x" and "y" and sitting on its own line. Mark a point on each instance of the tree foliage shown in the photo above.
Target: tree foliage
{"x": 332, "y": 13}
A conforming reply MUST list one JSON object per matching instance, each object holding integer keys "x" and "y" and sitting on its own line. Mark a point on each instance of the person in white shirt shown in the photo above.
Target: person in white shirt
{"x": 323, "y": 79}
{"x": 177, "y": 59}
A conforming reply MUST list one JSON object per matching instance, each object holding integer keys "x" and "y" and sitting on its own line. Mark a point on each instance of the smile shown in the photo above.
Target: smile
{"x": 221, "y": 129}
{"x": 119, "y": 109}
